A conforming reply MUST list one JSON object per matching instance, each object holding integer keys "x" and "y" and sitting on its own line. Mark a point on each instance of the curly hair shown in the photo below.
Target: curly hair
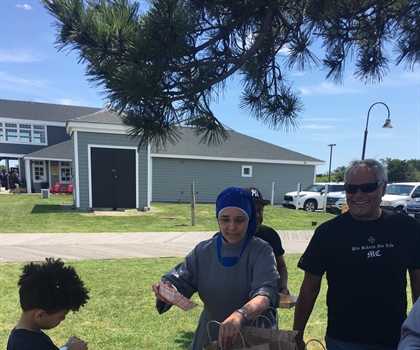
{"x": 52, "y": 287}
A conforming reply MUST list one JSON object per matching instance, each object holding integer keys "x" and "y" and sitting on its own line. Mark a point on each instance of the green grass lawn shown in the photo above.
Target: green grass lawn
{"x": 121, "y": 313}
{"x": 29, "y": 213}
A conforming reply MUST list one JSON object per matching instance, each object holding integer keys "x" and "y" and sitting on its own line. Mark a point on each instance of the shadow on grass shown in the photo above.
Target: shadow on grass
{"x": 184, "y": 339}
{"x": 45, "y": 209}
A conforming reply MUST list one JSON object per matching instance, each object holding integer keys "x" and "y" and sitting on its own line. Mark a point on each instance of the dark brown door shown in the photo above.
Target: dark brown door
{"x": 113, "y": 178}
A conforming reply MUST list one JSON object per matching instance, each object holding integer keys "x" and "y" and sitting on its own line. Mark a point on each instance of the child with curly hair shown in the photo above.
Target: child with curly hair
{"x": 47, "y": 292}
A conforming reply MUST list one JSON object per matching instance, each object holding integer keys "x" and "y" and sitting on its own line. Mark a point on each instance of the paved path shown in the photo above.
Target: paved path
{"x": 21, "y": 247}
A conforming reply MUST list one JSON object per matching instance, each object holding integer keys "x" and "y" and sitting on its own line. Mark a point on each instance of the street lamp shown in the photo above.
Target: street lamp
{"x": 329, "y": 171}
{"x": 386, "y": 125}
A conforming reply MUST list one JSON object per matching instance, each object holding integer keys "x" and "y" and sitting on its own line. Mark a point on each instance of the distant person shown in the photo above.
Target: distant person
{"x": 234, "y": 273}
{"x": 47, "y": 293}
{"x": 410, "y": 331}
{"x": 3, "y": 179}
{"x": 11, "y": 180}
{"x": 17, "y": 182}
{"x": 365, "y": 254}
{"x": 270, "y": 236}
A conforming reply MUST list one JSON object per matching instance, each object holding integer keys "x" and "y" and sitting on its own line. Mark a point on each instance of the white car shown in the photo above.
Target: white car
{"x": 335, "y": 202}
{"x": 312, "y": 197}
{"x": 398, "y": 194}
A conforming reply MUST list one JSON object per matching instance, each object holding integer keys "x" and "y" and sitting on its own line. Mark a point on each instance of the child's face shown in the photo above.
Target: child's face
{"x": 49, "y": 321}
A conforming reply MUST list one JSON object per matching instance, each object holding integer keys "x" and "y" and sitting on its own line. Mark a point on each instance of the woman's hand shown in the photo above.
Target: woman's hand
{"x": 155, "y": 288}
{"x": 229, "y": 330}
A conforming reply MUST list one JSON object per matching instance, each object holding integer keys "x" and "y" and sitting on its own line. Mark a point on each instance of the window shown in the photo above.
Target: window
{"x": 39, "y": 171}
{"x": 23, "y": 133}
{"x": 65, "y": 172}
{"x": 11, "y": 132}
{"x": 39, "y": 134}
{"x": 246, "y": 171}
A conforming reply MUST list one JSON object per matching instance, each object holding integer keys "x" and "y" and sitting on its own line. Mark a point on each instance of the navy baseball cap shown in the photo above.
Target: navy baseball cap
{"x": 256, "y": 195}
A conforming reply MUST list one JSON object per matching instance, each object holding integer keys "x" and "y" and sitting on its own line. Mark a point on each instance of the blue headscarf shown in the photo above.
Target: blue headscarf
{"x": 237, "y": 197}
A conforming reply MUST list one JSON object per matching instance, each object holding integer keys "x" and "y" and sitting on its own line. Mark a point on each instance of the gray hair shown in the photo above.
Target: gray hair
{"x": 373, "y": 164}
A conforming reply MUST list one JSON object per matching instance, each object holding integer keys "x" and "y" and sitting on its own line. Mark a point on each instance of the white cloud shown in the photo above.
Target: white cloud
{"x": 12, "y": 82}
{"x": 317, "y": 127}
{"x": 25, "y": 7}
{"x": 325, "y": 119}
{"x": 328, "y": 89}
{"x": 18, "y": 57}
{"x": 69, "y": 102}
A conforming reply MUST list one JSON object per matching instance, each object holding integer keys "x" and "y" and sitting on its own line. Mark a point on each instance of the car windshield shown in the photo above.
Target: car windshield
{"x": 314, "y": 188}
{"x": 399, "y": 190}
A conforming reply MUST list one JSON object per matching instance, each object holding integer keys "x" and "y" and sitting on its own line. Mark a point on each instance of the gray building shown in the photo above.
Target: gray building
{"x": 109, "y": 171}
{"x": 29, "y": 127}
{"x": 106, "y": 158}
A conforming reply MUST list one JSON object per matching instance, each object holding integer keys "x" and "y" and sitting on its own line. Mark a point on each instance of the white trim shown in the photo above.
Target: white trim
{"x": 60, "y": 173}
{"x": 32, "y": 121}
{"x": 50, "y": 159}
{"x": 149, "y": 177}
{"x": 242, "y": 160}
{"x": 44, "y": 165}
{"x": 11, "y": 155}
{"x": 90, "y": 146}
{"x": 76, "y": 170}
{"x": 96, "y": 128}
{"x": 28, "y": 176}
{"x": 20, "y": 131}
{"x": 243, "y": 171}
{"x": 136, "y": 171}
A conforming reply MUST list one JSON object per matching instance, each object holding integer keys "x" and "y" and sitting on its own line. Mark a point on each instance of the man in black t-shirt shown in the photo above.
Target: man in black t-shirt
{"x": 366, "y": 255}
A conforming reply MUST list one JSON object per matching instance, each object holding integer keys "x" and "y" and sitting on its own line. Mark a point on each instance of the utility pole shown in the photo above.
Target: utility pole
{"x": 329, "y": 171}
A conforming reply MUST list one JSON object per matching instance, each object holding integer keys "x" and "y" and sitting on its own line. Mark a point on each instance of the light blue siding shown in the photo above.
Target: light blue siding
{"x": 172, "y": 178}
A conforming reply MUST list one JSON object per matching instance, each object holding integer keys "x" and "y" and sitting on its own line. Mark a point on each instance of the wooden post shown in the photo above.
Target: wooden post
{"x": 192, "y": 196}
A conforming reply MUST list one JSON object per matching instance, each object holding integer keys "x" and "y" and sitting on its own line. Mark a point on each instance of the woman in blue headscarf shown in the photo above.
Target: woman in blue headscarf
{"x": 234, "y": 273}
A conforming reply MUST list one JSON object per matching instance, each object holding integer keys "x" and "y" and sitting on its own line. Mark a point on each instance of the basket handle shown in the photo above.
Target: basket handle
{"x": 316, "y": 341}
{"x": 214, "y": 321}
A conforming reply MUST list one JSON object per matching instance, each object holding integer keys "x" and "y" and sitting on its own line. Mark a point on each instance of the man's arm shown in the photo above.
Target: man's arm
{"x": 282, "y": 270}
{"x": 414, "y": 283}
{"x": 309, "y": 291}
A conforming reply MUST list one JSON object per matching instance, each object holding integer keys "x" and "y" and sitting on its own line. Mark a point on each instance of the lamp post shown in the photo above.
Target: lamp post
{"x": 329, "y": 171}
{"x": 386, "y": 125}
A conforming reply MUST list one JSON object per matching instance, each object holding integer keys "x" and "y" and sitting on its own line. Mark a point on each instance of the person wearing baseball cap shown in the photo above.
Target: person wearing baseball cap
{"x": 270, "y": 236}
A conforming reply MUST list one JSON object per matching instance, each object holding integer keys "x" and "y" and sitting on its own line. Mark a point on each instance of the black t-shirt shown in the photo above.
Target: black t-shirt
{"x": 270, "y": 236}
{"x": 366, "y": 266}
{"x": 22, "y": 339}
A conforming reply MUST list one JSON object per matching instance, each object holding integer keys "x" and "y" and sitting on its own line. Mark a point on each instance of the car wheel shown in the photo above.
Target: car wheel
{"x": 399, "y": 210}
{"x": 310, "y": 205}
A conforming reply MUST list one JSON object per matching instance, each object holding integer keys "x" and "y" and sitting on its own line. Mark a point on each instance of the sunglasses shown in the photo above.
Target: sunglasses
{"x": 365, "y": 188}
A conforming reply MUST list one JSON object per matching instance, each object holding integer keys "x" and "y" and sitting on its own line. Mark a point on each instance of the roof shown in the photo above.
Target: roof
{"x": 60, "y": 151}
{"x": 42, "y": 111}
{"x": 237, "y": 146}
{"x": 102, "y": 116}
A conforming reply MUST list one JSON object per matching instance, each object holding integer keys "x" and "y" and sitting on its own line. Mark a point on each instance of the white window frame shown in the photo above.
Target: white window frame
{"x": 66, "y": 166}
{"x": 41, "y": 164}
{"x": 244, "y": 170}
{"x": 24, "y": 131}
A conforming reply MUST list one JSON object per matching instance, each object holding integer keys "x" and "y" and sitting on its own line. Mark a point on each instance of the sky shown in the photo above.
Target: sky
{"x": 31, "y": 69}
